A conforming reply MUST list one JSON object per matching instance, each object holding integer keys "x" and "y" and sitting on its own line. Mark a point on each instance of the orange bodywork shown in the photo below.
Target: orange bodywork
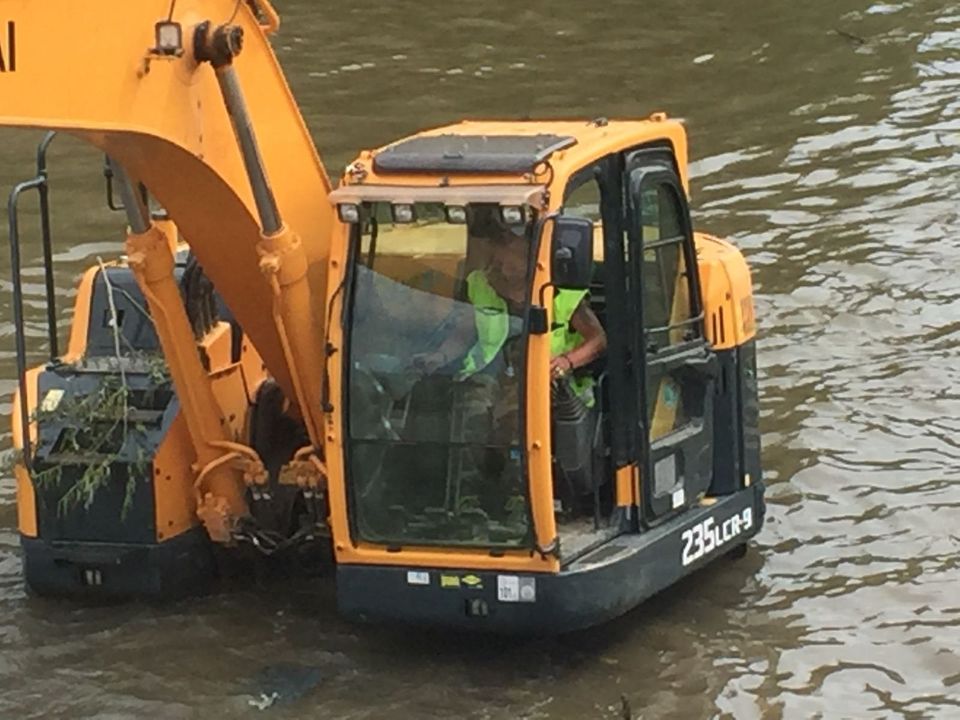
{"x": 727, "y": 295}
{"x": 26, "y": 497}
{"x": 627, "y": 485}
{"x": 164, "y": 120}
{"x": 80, "y": 325}
{"x": 174, "y": 505}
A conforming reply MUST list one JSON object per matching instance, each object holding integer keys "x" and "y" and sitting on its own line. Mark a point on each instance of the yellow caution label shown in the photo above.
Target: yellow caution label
{"x": 51, "y": 400}
{"x": 449, "y": 581}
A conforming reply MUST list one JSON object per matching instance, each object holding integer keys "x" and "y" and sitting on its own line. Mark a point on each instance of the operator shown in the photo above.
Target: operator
{"x": 498, "y": 294}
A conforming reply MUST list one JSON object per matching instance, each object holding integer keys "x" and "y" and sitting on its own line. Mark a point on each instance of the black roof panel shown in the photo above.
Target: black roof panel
{"x": 514, "y": 154}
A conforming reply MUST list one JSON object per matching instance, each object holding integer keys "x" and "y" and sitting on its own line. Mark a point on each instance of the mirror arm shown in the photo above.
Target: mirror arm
{"x": 541, "y": 224}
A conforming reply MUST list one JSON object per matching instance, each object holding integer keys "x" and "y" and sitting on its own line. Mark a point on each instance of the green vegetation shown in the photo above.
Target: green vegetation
{"x": 99, "y": 429}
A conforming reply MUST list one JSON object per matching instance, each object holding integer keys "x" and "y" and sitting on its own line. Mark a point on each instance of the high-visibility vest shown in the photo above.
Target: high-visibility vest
{"x": 492, "y": 319}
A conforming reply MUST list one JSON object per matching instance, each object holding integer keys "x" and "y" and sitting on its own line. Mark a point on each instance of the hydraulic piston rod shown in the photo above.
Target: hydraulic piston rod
{"x": 219, "y": 485}
{"x": 282, "y": 257}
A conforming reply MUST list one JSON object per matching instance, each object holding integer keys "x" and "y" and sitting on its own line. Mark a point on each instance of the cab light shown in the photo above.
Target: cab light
{"x": 348, "y": 212}
{"x": 402, "y": 213}
{"x": 456, "y": 214}
{"x": 512, "y": 214}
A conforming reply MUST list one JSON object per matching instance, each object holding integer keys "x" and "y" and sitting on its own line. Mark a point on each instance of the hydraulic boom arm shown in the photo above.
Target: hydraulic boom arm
{"x": 97, "y": 71}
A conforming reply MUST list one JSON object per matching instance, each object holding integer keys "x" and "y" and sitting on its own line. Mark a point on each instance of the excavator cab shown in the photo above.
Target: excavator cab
{"x": 476, "y": 489}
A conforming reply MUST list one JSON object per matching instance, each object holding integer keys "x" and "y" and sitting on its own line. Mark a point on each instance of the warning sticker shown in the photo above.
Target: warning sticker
{"x": 449, "y": 581}
{"x": 418, "y": 577}
{"x": 51, "y": 400}
{"x": 512, "y": 588}
{"x": 528, "y": 589}
{"x": 472, "y": 581}
{"x": 508, "y": 588}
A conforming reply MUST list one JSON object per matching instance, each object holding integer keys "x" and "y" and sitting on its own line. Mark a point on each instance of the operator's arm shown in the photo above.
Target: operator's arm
{"x": 585, "y": 322}
{"x": 454, "y": 345}
{"x": 458, "y": 342}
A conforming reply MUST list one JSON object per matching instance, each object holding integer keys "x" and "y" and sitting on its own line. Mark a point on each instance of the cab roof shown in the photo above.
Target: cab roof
{"x": 459, "y": 152}
{"x": 510, "y": 151}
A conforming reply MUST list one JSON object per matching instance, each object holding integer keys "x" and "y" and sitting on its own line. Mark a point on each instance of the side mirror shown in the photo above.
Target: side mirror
{"x": 572, "y": 253}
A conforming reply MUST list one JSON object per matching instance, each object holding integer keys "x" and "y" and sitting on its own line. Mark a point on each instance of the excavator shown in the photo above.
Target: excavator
{"x": 246, "y": 384}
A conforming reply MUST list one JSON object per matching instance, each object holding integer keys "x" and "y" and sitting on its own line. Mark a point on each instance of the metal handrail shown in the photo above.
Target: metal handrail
{"x": 40, "y": 184}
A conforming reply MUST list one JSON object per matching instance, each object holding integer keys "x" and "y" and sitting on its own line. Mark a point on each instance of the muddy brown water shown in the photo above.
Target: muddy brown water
{"x": 825, "y": 139}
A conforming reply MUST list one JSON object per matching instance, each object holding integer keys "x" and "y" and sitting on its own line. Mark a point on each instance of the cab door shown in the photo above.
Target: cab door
{"x": 678, "y": 366}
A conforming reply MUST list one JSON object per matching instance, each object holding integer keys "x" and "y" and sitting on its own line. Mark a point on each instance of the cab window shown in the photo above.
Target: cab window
{"x": 666, "y": 298}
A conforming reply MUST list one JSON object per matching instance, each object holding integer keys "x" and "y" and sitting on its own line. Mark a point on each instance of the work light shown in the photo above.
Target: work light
{"x": 348, "y": 212}
{"x": 402, "y": 213}
{"x": 169, "y": 36}
{"x": 456, "y": 214}
{"x": 512, "y": 214}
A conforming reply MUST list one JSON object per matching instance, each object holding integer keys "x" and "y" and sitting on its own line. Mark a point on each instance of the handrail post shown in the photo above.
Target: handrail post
{"x": 18, "y": 332}
{"x": 43, "y": 190}
{"x": 39, "y": 183}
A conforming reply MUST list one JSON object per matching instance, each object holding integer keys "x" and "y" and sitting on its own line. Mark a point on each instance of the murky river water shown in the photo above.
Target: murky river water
{"x": 826, "y": 141}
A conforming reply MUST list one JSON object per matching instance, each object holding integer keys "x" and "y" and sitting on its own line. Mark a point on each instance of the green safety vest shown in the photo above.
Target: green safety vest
{"x": 492, "y": 319}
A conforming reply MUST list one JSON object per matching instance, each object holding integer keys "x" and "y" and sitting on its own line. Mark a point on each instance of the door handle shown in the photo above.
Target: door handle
{"x": 703, "y": 363}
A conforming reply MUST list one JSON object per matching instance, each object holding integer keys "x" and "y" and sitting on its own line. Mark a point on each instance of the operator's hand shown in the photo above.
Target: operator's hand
{"x": 560, "y": 366}
{"x": 428, "y": 363}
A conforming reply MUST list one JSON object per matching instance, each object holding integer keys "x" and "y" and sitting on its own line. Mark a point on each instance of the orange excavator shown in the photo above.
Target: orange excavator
{"x": 247, "y": 383}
